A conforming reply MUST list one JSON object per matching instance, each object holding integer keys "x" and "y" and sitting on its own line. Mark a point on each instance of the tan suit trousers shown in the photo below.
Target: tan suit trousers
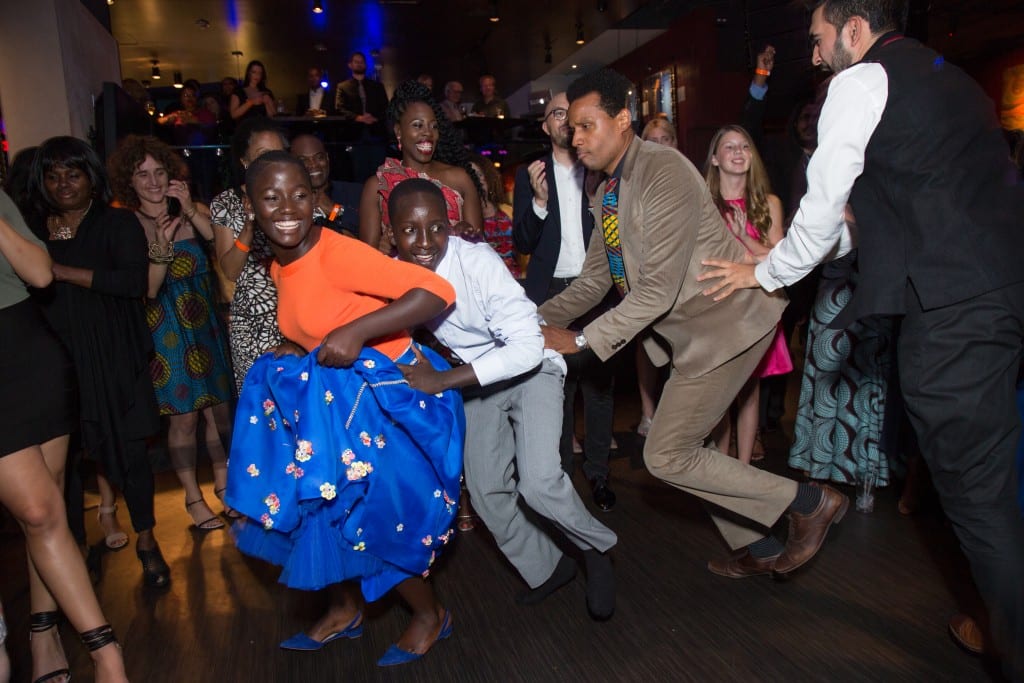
{"x": 687, "y": 412}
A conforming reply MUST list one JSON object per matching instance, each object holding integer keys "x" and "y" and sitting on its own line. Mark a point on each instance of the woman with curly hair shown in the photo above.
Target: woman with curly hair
{"x": 739, "y": 186}
{"x": 190, "y": 369}
{"x": 431, "y": 150}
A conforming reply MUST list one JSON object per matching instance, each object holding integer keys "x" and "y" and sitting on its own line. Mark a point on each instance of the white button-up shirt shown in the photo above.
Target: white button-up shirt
{"x": 493, "y": 326}
{"x": 855, "y": 103}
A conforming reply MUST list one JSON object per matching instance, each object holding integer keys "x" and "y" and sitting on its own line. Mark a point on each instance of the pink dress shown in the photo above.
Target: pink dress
{"x": 777, "y": 360}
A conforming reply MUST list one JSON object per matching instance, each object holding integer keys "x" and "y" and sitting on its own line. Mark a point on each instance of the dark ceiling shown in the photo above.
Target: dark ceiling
{"x": 454, "y": 39}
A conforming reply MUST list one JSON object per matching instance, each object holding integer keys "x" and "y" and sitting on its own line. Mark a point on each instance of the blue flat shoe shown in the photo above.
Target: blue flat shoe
{"x": 396, "y": 655}
{"x": 303, "y": 643}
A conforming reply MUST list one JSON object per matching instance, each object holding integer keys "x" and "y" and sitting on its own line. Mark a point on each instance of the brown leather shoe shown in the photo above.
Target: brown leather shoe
{"x": 967, "y": 634}
{"x": 742, "y": 566}
{"x": 807, "y": 532}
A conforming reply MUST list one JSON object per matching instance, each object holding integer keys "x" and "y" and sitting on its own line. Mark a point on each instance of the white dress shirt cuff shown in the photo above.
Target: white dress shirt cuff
{"x": 540, "y": 212}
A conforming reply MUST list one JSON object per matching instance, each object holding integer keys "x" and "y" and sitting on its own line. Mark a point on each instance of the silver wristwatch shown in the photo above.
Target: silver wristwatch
{"x": 581, "y": 342}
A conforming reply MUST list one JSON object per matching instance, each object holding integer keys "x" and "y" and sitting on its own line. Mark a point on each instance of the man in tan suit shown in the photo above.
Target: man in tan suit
{"x": 659, "y": 223}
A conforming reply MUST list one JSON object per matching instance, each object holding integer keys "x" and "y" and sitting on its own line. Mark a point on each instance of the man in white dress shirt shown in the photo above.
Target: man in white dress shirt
{"x": 514, "y": 409}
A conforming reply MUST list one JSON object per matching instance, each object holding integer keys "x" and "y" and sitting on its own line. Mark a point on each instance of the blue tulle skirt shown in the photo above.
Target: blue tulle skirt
{"x": 344, "y": 473}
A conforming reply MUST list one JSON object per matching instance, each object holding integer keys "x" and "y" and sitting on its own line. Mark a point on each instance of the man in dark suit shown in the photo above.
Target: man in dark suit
{"x": 361, "y": 99}
{"x": 556, "y": 233}
{"x": 316, "y": 99}
{"x": 914, "y": 146}
{"x": 658, "y": 223}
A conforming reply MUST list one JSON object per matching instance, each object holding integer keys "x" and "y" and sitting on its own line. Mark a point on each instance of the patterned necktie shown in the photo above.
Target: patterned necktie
{"x": 610, "y": 228}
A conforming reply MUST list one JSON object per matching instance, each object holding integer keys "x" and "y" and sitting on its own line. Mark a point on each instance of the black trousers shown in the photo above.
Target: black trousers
{"x": 958, "y": 367}
{"x": 595, "y": 380}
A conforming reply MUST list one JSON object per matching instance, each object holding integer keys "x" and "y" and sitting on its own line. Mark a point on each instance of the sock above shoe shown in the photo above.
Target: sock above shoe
{"x": 769, "y": 546}
{"x": 808, "y": 497}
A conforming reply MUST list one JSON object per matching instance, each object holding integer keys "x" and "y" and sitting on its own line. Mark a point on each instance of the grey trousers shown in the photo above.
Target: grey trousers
{"x": 512, "y": 432}
{"x": 689, "y": 409}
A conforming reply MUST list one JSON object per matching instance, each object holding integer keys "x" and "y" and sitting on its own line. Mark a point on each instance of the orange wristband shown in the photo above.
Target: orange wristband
{"x": 763, "y": 72}
{"x": 334, "y": 212}
{"x": 242, "y": 247}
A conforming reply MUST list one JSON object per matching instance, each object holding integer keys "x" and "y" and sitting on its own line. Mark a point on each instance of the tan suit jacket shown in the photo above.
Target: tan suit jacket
{"x": 668, "y": 223}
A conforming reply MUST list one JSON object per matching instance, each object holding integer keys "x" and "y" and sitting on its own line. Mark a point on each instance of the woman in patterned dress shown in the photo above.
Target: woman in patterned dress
{"x": 190, "y": 369}
{"x": 429, "y": 150}
{"x": 343, "y": 471}
{"x": 244, "y": 253}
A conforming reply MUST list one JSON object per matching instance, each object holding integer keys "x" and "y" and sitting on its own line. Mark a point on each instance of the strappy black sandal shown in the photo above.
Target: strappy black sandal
{"x": 229, "y": 512}
{"x": 155, "y": 571}
{"x": 41, "y": 622}
{"x": 213, "y": 522}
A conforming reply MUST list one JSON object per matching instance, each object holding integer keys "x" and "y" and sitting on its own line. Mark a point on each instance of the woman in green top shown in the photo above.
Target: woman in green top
{"x": 37, "y": 413}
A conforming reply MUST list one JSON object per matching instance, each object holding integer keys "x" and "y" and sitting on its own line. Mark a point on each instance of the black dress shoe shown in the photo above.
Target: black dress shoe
{"x": 604, "y": 497}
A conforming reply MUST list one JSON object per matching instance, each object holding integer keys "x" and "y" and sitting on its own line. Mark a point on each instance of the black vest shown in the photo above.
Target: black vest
{"x": 936, "y": 205}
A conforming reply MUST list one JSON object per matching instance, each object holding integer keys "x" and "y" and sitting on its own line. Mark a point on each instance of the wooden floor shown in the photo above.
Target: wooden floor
{"x": 872, "y": 607}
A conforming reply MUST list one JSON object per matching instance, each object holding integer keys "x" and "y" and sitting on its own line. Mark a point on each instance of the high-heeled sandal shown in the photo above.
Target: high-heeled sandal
{"x": 229, "y": 512}
{"x": 115, "y": 540}
{"x": 41, "y": 622}
{"x": 155, "y": 571}
{"x": 209, "y": 524}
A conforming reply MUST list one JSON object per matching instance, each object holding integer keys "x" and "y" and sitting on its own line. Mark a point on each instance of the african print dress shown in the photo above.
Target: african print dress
{"x": 190, "y": 368}
{"x": 345, "y": 473}
{"x": 252, "y": 325}
{"x": 839, "y": 423}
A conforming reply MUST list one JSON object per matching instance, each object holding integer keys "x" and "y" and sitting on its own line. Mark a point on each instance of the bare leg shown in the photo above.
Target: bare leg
{"x": 181, "y": 446}
{"x": 427, "y": 615}
{"x": 29, "y": 491}
{"x": 747, "y": 418}
{"x": 722, "y": 434}
{"x": 342, "y": 611}
{"x": 108, "y": 499}
{"x": 647, "y": 383}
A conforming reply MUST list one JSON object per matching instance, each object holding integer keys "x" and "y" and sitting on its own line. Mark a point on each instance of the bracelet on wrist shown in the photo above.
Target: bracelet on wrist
{"x": 191, "y": 214}
{"x": 763, "y": 72}
{"x": 242, "y": 246}
{"x": 161, "y": 253}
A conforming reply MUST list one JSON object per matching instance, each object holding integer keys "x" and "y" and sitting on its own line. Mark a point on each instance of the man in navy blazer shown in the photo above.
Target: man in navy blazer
{"x": 552, "y": 222}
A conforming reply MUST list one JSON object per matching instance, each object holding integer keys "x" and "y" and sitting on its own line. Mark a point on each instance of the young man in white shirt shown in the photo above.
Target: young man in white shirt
{"x": 513, "y": 412}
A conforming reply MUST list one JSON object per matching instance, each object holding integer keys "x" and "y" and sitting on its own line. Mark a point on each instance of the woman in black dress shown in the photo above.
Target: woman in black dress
{"x": 37, "y": 413}
{"x": 96, "y": 307}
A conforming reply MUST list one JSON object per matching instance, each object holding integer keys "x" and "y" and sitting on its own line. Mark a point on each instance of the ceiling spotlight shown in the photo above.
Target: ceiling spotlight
{"x": 110, "y": 2}
{"x": 575, "y": 66}
{"x": 177, "y": 80}
{"x": 318, "y": 7}
{"x": 495, "y": 17}
{"x": 156, "y": 69}
{"x": 579, "y": 33}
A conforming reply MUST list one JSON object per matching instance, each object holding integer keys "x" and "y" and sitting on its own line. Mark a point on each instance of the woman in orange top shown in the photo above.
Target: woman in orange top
{"x": 343, "y": 471}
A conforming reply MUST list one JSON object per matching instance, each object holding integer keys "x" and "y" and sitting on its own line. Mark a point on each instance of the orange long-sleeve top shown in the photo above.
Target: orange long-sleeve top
{"x": 341, "y": 279}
